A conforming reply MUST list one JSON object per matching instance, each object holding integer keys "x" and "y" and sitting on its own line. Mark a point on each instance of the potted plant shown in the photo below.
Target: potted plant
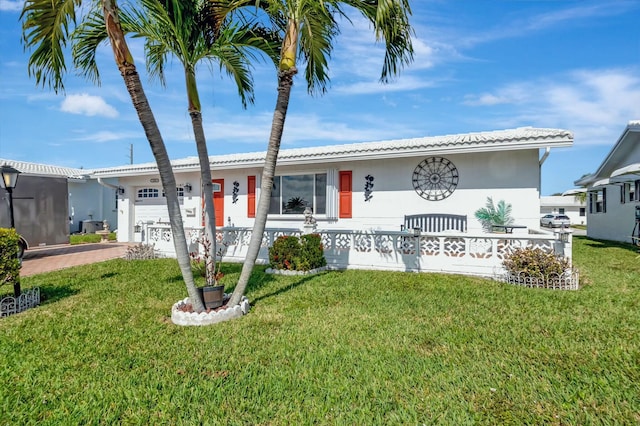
{"x": 212, "y": 292}
{"x": 492, "y": 215}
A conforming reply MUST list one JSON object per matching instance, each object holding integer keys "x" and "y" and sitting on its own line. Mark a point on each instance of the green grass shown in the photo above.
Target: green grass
{"x": 346, "y": 348}
{"x": 89, "y": 238}
{"x": 583, "y": 227}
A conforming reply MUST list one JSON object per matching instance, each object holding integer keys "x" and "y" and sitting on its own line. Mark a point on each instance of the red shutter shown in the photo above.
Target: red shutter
{"x": 345, "y": 194}
{"x": 251, "y": 196}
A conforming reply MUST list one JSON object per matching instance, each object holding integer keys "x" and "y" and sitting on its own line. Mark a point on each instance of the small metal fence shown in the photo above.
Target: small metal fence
{"x": 28, "y": 299}
{"x": 570, "y": 280}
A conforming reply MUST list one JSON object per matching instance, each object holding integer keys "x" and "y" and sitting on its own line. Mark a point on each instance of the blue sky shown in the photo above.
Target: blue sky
{"x": 479, "y": 65}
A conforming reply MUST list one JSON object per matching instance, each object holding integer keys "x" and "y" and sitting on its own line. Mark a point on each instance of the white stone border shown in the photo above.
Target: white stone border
{"x": 180, "y": 317}
{"x": 288, "y": 272}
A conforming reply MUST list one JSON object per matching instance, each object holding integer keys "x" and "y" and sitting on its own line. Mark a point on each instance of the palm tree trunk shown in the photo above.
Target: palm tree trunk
{"x": 207, "y": 189}
{"x": 125, "y": 64}
{"x": 195, "y": 111}
{"x": 285, "y": 82}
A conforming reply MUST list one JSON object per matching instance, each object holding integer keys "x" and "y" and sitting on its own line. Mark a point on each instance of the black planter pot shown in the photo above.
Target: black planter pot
{"x": 212, "y": 296}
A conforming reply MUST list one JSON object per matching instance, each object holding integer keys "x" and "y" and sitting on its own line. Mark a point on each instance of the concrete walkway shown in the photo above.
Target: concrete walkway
{"x": 52, "y": 258}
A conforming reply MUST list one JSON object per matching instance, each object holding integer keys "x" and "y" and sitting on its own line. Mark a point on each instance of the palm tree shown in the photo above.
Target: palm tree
{"x": 192, "y": 32}
{"x": 46, "y": 28}
{"x": 580, "y": 197}
{"x": 491, "y": 214}
{"x": 309, "y": 29}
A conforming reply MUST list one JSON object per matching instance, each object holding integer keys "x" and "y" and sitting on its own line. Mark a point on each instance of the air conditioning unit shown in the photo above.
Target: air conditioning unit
{"x": 91, "y": 226}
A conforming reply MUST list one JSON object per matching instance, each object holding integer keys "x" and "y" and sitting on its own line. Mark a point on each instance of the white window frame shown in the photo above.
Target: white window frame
{"x": 330, "y": 194}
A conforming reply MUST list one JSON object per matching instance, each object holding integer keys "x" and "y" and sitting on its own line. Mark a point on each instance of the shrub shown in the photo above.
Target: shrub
{"x": 535, "y": 262}
{"x": 89, "y": 238}
{"x": 142, "y": 252}
{"x": 9, "y": 262}
{"x": 297, "y": 254}
{"x": 311, "y": 252}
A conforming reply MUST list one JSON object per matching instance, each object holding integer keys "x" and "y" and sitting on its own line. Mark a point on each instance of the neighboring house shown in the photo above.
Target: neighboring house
{"x": 567, "y": 205}
{"x": 50, "y": 202}
{"x": 362, "y": 186}
{"x": 613, "y": 196}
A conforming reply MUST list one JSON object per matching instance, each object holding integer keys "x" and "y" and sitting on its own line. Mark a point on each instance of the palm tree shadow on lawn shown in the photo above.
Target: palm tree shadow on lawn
{"x": 606, "y": 244}
{"x": 285, "y": 288}
{"x": 258, "y": 280}
{"x": 52, "y": 293}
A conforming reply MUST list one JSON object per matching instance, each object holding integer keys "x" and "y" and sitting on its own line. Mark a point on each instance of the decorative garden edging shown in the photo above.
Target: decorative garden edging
{"x": 28, "y": 299}
{"x": 181, "y": 317}
{"x": 567, "y": 281}
{"x": 288, "y": 272}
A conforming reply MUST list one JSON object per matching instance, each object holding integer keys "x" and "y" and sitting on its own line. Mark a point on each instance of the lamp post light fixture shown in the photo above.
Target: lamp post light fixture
{"x": 9, "y": 181}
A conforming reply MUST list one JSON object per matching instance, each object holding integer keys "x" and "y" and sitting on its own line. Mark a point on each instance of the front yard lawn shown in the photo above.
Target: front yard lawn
{"x": 353, "y": 347}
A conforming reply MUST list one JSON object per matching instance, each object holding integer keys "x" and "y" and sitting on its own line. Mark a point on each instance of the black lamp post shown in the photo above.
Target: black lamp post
{"x": 9, "y": 181}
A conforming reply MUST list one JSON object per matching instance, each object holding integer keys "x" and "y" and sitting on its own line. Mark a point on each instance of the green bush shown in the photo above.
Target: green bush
{"x": 535, "y": 262}
{"x": 89, "y": 238}
{"x": 297, "y": 254}
{"x": 311, "y": 252}
{"x": 9, "y": 262}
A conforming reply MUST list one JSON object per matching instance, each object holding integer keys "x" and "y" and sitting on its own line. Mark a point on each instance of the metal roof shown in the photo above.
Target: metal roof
{"x": 617, "y": 157}
{"x": 511, "y": 139}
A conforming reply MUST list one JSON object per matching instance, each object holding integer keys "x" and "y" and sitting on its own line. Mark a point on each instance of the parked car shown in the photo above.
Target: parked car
{"x": 555, "y": 220}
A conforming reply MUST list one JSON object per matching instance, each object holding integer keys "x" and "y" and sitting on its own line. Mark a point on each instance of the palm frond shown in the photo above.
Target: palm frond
{"x": 46, "y": 27}
{"x": 88, "y": 36}
{"x": 390, "y": 19}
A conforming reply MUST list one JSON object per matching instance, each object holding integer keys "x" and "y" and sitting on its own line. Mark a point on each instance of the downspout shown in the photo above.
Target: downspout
{"x": 542, "y": 160}
{"x": 116, "y": 187}
{"x": 119, "y": 190}
{"x": 544, "y": 157}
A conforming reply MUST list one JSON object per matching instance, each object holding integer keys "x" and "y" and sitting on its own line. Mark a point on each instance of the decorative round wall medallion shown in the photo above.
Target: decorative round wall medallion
{"x": 435, "y": 178}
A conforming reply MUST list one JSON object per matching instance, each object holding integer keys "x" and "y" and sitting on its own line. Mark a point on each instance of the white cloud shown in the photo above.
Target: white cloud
{"x": 108, "y": 136}
{"x": 579, "y": 15}
{"x": 357, "y": 61}
{"x": 596, "y": 105}
{"x": 11, "y": 5}
{"x": 300, "y": 129}
{"x": 85, "y": 104}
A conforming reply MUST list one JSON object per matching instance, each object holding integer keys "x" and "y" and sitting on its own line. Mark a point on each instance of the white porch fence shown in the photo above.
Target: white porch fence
{"x": 459, "y": 253}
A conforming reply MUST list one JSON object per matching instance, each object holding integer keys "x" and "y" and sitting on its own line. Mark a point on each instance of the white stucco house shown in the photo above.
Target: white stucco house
{"x": 398, "y": 205}
{"x": 365, "y": 186}
{"x": 50, "y": 202}
{"x": 566, "y": 205}
{"x": 613, "y": 201}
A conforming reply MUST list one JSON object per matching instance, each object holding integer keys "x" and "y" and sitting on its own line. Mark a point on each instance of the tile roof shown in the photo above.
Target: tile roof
{"x": 511, "y": 139}
{"x": 46, "y": 169}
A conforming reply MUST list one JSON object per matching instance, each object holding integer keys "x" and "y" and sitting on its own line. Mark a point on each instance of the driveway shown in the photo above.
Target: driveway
{"x": 52, "y": 258}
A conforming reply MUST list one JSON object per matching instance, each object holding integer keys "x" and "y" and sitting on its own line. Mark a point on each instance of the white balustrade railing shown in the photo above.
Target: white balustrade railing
{"x": 460, "y": 253}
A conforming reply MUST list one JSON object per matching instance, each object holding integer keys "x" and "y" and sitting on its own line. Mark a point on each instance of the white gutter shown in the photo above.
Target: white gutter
{"x": 545, "y": 155}
{"x": 108, "y": 185}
